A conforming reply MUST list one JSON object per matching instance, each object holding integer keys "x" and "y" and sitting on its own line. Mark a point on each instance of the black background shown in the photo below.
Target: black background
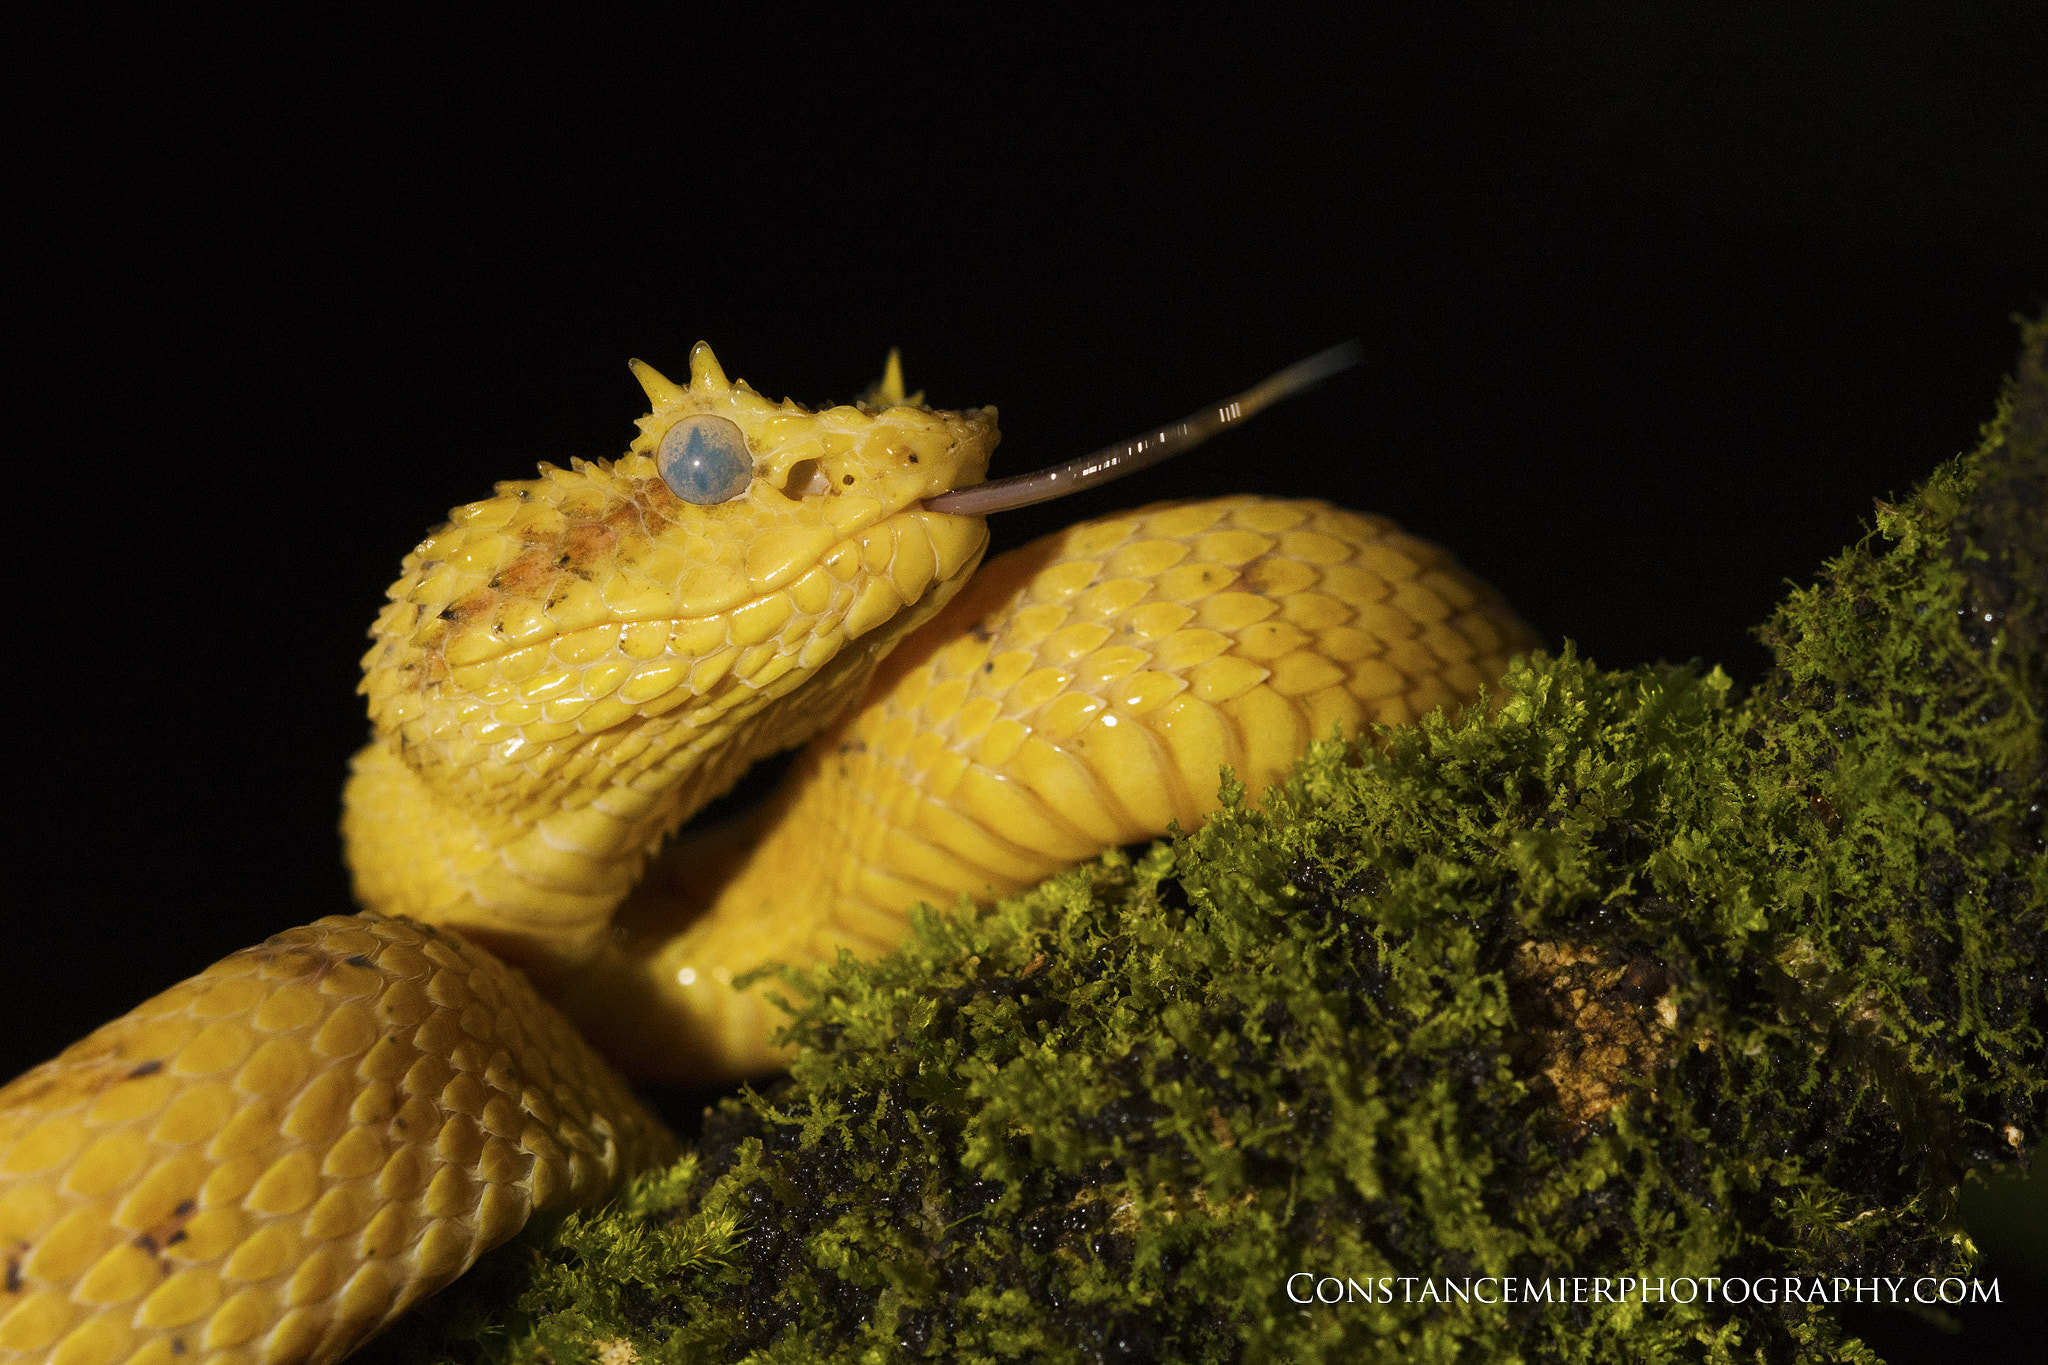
{"x": 1655, "y": 303}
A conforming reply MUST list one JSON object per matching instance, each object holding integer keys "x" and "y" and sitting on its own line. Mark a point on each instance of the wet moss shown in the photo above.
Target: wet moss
{"x": 1629, "y": 976}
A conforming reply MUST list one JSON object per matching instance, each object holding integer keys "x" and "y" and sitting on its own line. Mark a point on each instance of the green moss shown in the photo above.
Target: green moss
{"x": 1627, "y": 977}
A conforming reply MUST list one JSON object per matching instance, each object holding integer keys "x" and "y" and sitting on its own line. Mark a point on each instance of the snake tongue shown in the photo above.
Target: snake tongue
{"x": 1148, "y": 447}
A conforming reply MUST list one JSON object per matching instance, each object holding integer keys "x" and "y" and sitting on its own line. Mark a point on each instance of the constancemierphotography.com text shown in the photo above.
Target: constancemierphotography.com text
{"x": 1308, "y": 1287}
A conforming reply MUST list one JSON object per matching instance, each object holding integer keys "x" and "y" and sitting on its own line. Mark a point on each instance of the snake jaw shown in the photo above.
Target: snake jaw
{"x": 567, "y": 670}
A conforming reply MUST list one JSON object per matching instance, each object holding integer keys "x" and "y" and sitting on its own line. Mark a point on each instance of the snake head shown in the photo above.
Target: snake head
{"x": 569, "y": 668}
{"x": 864, "y": 460}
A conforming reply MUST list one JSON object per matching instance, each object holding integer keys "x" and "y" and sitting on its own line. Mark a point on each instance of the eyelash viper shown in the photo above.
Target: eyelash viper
{"x": 270, "y": 1161}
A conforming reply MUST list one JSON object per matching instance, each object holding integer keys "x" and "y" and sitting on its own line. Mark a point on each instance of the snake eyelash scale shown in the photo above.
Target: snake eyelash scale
{"x": 273, "y": 1159}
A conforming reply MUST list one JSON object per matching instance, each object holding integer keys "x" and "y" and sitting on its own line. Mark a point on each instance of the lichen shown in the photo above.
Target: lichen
{"x": 1626, "y": 976}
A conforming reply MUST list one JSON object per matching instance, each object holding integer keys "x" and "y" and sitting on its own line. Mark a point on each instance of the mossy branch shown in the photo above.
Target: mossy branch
{"x": 1625, "y": 977}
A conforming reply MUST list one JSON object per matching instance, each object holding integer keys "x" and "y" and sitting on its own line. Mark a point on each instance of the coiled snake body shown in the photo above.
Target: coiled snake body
{"x": 268, "y": 1162}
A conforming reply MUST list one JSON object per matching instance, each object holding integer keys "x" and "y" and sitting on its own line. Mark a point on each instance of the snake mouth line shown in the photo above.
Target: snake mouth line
{"x": 886, "y": 554}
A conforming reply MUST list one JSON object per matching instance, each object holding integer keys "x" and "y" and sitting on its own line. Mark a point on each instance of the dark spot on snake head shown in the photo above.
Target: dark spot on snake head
{"x": 470, "y": 605}
{"x": 358, "y": 960}
{"x": 530, "y": 574}
{"x": 980, "y": 631}
{"x": 177, "y": 1346}
{"x": 14, "y": 1272}
{"x": 148, "y": 1068}
{"x": 846, "y": 478}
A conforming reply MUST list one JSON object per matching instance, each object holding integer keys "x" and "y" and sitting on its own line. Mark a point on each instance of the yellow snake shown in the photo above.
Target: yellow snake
{"x": 270, "y": 1161}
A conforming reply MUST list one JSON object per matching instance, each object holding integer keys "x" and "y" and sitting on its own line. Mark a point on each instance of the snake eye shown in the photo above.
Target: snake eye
{"x": 704, "y": 459}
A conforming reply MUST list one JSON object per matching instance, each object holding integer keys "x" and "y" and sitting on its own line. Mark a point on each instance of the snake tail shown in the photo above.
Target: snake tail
{"x": 271, "y": 1160}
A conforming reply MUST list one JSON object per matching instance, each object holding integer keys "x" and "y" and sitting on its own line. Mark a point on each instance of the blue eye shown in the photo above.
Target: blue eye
{"x": 704, "y": 459}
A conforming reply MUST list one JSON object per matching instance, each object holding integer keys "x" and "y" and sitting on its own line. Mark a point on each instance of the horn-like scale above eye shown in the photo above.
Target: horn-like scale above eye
{"x": 705, "y": 460}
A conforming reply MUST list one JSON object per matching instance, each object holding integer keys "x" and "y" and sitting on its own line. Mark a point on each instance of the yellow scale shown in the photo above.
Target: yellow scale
{"x": 270, "y": 1161}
